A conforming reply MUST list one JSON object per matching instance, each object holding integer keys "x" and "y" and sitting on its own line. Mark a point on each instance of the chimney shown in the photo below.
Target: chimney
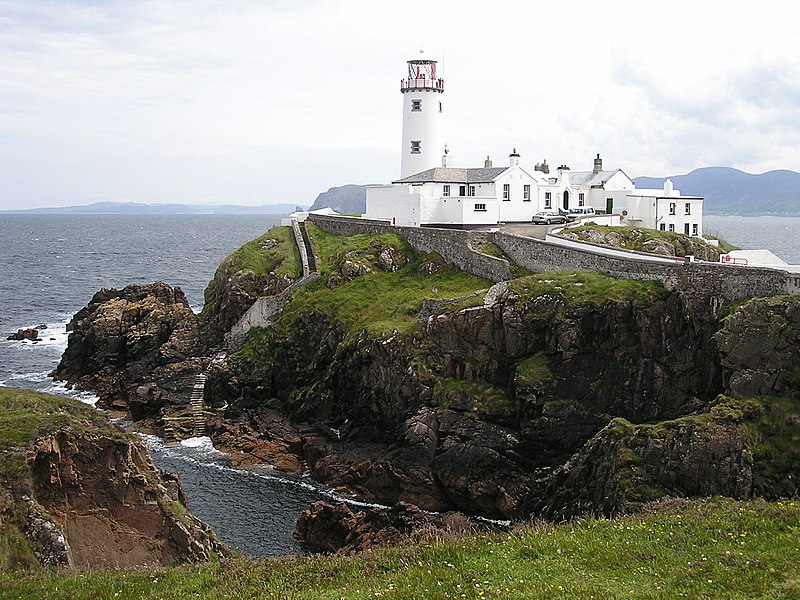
{"x": 487, "y": 164}
{"x": 543, "y": 167}
{"x": 668, "y": 189}
{"x": 446, "y": 157}
{"x": 598, "y": 164}
{"x": 513, "y": 158}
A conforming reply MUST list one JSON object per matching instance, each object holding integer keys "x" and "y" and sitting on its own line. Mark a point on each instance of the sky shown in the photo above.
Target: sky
{"x": 272, "y": 101}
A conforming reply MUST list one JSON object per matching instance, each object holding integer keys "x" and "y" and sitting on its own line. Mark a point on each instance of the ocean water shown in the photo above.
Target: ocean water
{"x": 51, "y": 265}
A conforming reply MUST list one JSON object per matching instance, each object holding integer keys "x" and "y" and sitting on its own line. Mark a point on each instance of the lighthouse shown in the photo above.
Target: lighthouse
{"x": 423, "y": 117}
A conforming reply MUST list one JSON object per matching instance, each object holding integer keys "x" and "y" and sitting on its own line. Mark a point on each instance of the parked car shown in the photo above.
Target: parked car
{"x": 581, "y": 211}
{"x": 548, "y": 217}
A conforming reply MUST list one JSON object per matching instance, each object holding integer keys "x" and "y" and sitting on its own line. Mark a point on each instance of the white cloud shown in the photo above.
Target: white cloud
{"x": 258, "y": 101}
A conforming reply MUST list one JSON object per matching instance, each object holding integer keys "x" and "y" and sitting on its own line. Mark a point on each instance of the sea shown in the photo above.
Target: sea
{"x": 51, "y": 265}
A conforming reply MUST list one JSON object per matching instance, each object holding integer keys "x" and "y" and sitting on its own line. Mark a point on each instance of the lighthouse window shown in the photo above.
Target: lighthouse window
{"x": 506, "y": 191}
{"x": 526, "y": 193}
{"x": 445, "y": 190}
{"x": 416, "y": 105}
{"x": 416, "y": 147}
{"x": 480, "y": 207}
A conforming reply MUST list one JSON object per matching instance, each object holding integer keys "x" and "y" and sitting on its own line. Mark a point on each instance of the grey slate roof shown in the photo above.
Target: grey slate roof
{"x": 590, "y": 177}
{"x": 454, "y": 175}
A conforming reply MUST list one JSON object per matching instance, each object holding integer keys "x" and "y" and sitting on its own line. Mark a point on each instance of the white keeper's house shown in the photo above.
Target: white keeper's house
{"x": 431, "y": 192}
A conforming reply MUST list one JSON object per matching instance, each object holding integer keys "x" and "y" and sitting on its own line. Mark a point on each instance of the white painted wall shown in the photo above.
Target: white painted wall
{"x": 398, "y": 204}
{"x": 425, "y": 125}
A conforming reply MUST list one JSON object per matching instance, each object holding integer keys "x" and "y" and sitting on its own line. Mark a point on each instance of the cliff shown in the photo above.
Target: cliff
{"x": 398, "y": 378}
{"x": 77, "y": 492}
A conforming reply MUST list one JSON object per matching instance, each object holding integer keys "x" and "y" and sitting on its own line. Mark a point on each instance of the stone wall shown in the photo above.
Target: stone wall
{"x": 727, "y": 282}
{"x": 261, "y": 313}
{"x": 301, "y": 246}
{"x": 455, "y": 246}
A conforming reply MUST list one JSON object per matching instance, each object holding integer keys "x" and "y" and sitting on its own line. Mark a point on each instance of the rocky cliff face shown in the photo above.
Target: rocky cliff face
{"x": 77, "y": 492}
{"x": 554, "y": 394}
{"x": 114, "y": 510}
{"x": 124, "y": 340}
{"x": 483, "y": 409}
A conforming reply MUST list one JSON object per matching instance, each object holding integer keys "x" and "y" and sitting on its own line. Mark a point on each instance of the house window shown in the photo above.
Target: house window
{"x": 672, "y": 208}
{"x": 472, "y": 190}
{"x": 672, "y": 227}
{"x": 662, "y": 227}
{"x": 416, "y": 147}
{"x": 416, "y": 105}
{"x": 480, "y": 208}
{"x": 445, "y": 190}
{"x": 547, "y": 200}
{"x": 694, "y": 228}
{"x": 462, "y": 190}
{"x": 526, "y": 193}
{"x": 688, "y": 209}
{"x": 580, "y": 199}
{"x": 506, "y": 191}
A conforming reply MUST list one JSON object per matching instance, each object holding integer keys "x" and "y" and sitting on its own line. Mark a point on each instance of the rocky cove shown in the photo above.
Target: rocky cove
{"x": 397, "y": 378}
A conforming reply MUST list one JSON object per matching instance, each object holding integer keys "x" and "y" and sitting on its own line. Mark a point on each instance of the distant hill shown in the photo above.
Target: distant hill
{"x": 345, "y": 199}
{"x": 728, "y": 190}
{"x": 136, "y": 208}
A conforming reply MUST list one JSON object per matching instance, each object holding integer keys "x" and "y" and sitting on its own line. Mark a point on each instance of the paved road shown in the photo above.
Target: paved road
{"x": 527, "y": 229}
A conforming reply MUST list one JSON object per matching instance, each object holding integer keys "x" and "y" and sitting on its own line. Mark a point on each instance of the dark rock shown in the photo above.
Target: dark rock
{"x": 31, "y": 334}
{"x": 338, "y": 528}
{"x": 125, "y": 339}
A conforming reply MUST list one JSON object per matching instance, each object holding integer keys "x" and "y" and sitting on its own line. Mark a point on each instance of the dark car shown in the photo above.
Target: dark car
{"x": 549, "y": 217}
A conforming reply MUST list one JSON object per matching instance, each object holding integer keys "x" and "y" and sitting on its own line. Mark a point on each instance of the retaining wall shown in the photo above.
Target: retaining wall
{"x": 728, "y": 282}
{"x": 261, "y": 313}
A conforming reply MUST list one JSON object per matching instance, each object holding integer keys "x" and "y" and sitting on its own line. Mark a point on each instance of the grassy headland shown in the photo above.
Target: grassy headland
{"x": 715, "y": 548}
{"x": 377, "y": 298}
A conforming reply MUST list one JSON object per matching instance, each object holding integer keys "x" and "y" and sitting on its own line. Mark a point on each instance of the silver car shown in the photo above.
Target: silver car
{"x": 548, "y": 217}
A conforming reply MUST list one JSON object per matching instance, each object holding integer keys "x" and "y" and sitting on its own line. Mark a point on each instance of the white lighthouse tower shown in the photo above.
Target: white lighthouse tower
{"x": 423, "y": 131}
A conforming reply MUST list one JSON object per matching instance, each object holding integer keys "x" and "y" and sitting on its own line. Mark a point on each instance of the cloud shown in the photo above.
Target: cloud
{"x": 267, "y": 99}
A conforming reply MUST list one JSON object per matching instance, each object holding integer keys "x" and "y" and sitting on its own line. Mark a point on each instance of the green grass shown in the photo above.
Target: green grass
{"x": 589, "y": 287}
{"x": 378, "y": 301}
{"x": 715, "y": 548}
{"x": 487, "y": 399}
{"x": 25, "y": 414}
{"x": 634, "y": 238}
{"x": 494, "y": 250}
{"x": 282, "y": 258}
{"x": 534, "y": 370}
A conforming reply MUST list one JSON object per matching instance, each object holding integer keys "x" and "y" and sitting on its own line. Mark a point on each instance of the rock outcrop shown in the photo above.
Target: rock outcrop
{"x": 105, "y": 495}
{"x": 84, "y": 494}
{"x": 125, "y": 340}
{"x": 326, "y": 527}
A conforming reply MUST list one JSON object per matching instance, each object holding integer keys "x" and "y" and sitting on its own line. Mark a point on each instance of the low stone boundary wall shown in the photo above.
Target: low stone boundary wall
{"x": 728, "y": 282}
{"x": 456, "y": 246}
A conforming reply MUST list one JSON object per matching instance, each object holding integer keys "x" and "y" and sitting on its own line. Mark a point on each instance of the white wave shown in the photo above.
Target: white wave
{"x": 59, "y": 388}
{"x": 33, "y": 377}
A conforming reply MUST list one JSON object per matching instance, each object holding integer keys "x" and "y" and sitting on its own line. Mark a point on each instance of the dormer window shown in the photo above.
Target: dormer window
{"x": 416, "y": 105}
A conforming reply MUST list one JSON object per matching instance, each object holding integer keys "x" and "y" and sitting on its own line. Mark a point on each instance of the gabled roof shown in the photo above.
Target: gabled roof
{"x": 591, "y": 178}
{"x": 454, "y": 175}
